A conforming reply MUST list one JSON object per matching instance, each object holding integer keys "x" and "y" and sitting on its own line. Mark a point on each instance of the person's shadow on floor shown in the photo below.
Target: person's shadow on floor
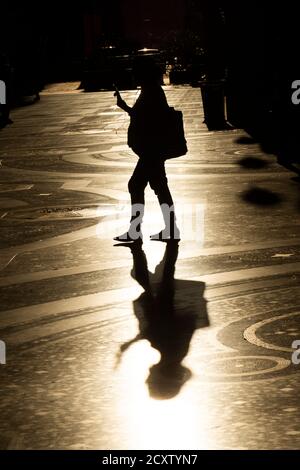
{"x": 168, "y": 312}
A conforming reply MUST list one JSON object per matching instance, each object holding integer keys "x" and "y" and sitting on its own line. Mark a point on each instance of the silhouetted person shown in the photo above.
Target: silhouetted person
{"x": 6, "y": 84}
{"x": 168, "y": 312}
{"x": 145, "y": 135}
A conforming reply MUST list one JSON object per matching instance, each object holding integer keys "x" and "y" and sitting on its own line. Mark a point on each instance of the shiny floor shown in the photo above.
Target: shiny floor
{"x": 159, "y": 346}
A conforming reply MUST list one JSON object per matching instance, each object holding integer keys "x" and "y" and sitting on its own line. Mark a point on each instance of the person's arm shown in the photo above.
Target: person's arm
{"x": 121, "y": 103}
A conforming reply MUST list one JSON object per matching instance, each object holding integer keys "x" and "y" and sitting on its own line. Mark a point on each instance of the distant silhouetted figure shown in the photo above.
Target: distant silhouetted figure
{"x": 144, "y": 135}
{"x": 5, "y": 89}
{"x": 168, "y": 312}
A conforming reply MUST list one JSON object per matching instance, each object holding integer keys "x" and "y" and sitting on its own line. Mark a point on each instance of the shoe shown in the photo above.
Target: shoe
{"x": 128, "y": 238}
{"x": 165, "y": 235}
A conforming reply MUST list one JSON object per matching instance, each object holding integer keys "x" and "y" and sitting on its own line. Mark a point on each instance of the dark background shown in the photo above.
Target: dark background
{"x": 254, "y": 45}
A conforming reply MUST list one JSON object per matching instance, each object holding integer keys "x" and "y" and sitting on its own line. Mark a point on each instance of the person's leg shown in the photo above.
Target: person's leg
{"x": 159, "y": 184}
{"x": 136, "y": 188}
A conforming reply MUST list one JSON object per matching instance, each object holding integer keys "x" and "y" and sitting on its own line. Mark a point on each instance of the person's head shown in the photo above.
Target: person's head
{"x": 164, "y": 382}
{"x": 146, "y": 72}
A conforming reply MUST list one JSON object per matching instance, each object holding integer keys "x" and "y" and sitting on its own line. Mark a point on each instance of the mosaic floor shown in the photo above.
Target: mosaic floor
{"x": 81, "y": 366}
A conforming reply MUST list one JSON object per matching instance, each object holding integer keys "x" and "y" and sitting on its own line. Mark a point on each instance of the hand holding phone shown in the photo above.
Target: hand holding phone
{"x": 120, "y": 102}
{"x": 116, "y": 93}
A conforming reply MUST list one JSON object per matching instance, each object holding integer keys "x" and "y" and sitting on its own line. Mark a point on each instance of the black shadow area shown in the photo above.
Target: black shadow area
{"x": 168, "y": 313}
{"x": 261, "y": 197}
